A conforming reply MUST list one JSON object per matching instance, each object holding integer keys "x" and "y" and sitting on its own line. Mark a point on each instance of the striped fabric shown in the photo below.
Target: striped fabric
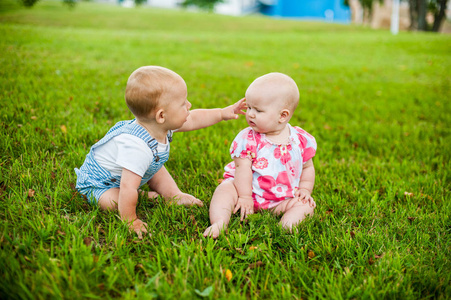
{"x": 93, "y": 180}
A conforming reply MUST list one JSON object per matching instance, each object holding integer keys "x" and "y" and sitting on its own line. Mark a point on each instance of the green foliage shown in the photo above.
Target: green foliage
{"x": 70, "y": 3}
{"x": 202, "y": 4}
{"x": 140, "y": 2}
{"x": 28, "y": 3}
{"x": 377, "y": 104}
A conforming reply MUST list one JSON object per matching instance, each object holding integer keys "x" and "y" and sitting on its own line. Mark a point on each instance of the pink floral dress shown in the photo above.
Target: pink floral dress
{"x": 276, "y": 169}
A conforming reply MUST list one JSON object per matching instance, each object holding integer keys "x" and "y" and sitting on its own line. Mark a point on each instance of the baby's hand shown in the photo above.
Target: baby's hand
{"x": 232, "y": 111}
{"x": 304, "y": 196}
{"x": 187, "y": 200}
{"x": 139, "y": 227}
{"x": 246, "y": 204}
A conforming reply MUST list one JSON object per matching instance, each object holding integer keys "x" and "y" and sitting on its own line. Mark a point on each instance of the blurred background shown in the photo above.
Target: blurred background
{"x": 423, "y": 15}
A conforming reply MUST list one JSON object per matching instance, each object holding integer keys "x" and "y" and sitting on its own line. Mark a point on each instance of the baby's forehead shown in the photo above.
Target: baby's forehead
{"x": 267, "y": 86}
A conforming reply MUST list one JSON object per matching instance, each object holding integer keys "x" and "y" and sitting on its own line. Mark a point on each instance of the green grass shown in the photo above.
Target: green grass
{"x": 378, "y": 105}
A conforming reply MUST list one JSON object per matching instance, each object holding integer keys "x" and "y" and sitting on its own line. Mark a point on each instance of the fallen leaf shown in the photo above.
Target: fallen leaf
{"x": 88, "y": 241}
{"x": 311, "y": 254}
{"x": 228, "y": 275}
{"x": 252, "y": 247}
{"x": 352, "y": 234}
{"x": 371, "y": 261}
{"x": 31, "y": 193}
{"x": 33, "y": 117}
{"x": 220, "y": 180}
{"x": 63, "y": 128}
{"x": 256, "y": 264}
{"x": 193, "y": 220}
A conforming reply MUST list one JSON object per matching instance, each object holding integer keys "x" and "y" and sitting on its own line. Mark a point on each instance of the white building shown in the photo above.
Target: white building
{"x": 228, "y": 7}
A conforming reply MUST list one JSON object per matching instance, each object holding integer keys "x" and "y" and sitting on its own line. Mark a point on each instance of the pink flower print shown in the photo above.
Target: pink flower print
{"x": 303, "y": 141}
{"x": 300, "y": 130}
{"x": 308, "y": 153}
{"x": 261, "y": 163}
{"x": 294, "y": 169}
{"x": 249, "y": 152}
{"x": 282, "y": 152}
{"x": 250, "y": 135}
{"x": 233, "y": 148}
{"x": 275, "y": 189}
{"x": 260, "y": 203}
{"x": 254, "y": 138}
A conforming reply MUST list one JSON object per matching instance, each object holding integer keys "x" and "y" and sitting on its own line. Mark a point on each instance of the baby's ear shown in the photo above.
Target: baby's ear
{"x": 284, "y": 116}
{"x": 160, "y": 116}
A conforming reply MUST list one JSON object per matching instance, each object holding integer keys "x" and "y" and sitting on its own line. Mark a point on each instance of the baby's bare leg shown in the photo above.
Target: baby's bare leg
{"x": 294, "y": 211}
{"x": 222, "y": 204}
{"x": 109, "y": 199}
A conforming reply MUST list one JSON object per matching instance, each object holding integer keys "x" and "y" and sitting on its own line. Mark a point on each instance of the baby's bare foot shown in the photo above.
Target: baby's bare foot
{"x": 214, "y": 230}
{"x": 150, "y": 195}
{"x": 187, "y": 200}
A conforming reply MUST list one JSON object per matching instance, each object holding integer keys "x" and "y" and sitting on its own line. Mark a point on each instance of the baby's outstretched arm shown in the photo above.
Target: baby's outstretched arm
{"x": 163, "y": 183}
{"x": 201, "y": 118}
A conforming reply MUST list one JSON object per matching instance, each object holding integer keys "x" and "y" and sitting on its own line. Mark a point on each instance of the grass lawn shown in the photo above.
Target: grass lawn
{"x": 378, "y": 105}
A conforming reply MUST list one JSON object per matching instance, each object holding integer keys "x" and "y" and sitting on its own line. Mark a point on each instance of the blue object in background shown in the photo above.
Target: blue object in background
{"x": 328, "y": 10}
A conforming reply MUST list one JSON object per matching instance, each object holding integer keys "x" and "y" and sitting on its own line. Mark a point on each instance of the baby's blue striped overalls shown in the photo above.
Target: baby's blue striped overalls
{"x": 93, "y": 180}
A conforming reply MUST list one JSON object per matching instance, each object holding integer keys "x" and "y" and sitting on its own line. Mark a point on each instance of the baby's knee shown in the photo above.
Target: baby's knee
{"x": 301, "y": 206}
{"x": 226, "y": 187}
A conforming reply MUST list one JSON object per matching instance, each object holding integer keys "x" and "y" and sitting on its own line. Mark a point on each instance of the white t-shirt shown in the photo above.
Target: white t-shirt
{"x": 126, "y": 151}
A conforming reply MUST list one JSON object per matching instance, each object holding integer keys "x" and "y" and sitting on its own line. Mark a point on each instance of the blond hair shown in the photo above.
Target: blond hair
{"x": 145, "y": 86}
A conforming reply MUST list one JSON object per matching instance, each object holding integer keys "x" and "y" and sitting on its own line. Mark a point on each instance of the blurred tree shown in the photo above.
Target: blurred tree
{"x": 29, "y": 3}
{"x": 70, "y": 3}
{"x": 202, "y": 4}
{"x": 140, "y": 2}
{"x": 367, "y": 6}
{"x": 419, "y": 10}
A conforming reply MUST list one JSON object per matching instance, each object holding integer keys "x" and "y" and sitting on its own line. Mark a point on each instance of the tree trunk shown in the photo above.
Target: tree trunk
{"x": 439, "y": 15}
{"x": 422, "y": 9}
{"x": 413, "y": 12}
